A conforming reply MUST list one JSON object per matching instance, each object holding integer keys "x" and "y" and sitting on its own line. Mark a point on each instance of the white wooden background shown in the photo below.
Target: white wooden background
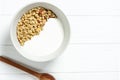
{"x": 94, "y": 49}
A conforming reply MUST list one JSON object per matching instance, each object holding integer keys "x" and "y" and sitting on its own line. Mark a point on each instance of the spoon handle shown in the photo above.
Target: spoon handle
{"x": 10, "y": 62}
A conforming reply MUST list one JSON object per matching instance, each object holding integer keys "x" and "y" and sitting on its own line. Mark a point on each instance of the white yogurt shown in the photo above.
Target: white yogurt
{"x": 47, "y": 41}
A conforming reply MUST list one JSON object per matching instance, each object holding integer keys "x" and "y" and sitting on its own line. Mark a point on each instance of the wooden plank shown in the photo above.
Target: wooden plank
{"x": 9, "y": 73}
{"x": 84, "y": 29}
{"x": 5, "y": 29}
{"x": 65, "y": 76}
{"x": 73, "y": 7}
{"x": 95, "y": 29}
{"x": 16, "y": 77}
{"x": 87, "y": 76}
{"x": 77, "y": 58}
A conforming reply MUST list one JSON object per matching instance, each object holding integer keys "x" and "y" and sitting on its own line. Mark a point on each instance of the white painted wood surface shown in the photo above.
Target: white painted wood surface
{"x": 94, "y": 49}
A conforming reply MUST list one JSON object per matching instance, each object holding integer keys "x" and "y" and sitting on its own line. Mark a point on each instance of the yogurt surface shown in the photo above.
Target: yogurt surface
{"x": 47, "y": 41}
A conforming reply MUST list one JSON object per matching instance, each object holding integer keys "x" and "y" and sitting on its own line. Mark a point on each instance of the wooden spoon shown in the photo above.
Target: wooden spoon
{"x": 40, "y": 76}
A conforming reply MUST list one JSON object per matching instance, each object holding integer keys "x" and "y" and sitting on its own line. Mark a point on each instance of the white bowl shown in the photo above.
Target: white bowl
{"x": 65, "y": 26}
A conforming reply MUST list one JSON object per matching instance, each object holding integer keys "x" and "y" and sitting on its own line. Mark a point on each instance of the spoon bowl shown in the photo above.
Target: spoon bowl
{"x": 46, "y": 76}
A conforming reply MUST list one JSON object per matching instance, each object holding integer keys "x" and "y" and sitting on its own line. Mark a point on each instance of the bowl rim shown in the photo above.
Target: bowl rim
{"x": 49, "y": 56}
